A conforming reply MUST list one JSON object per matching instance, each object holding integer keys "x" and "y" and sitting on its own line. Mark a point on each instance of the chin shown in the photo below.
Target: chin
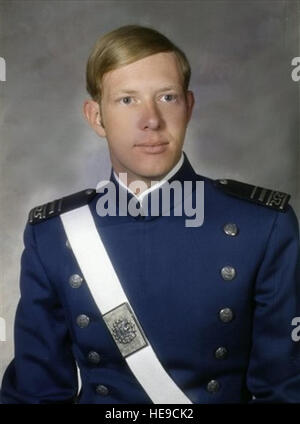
{"x": 155, "y": 170}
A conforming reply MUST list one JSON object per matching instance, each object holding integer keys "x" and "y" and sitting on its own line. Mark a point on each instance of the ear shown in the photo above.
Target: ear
{"x": 190, "y": 101}
{"x": 91, "y": 112}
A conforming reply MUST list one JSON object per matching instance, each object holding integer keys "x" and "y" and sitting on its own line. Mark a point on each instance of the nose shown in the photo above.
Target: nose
{"x": 150, "y": 117}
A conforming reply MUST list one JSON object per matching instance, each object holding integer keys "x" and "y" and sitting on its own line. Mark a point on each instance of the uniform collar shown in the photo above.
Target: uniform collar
{"x": 167, "y": 177}
{"x": 181, "y": 172}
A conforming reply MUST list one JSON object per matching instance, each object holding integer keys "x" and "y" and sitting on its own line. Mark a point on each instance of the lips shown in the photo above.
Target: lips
{"x": 152, "y": 148}
{"x": 152, "y": 143}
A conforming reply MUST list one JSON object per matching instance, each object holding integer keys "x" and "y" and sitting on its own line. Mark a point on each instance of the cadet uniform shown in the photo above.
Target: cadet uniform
{"x": 215, "y": 301}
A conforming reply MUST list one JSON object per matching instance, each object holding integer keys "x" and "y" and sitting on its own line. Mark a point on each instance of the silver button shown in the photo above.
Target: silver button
{"x": 89, "y": 191}
{"x": 221, "y": 353}
{"x": 102, "y": 390}
{"x": 75, "y": 281}
{"x": 68, "y": 244}
{"x": 228, "y": 272}
{"x": 226, "y": 315}
{"x": 94, "y": 357}
{"x": 213, "y": 386}
{"x": 231, "y": 229}
{"x": 82, "y": 321}
{"x": 223, "y": 181}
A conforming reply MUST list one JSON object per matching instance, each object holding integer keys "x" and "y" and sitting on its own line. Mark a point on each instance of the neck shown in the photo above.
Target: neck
{"x": 139, "y": 184}
{"x": 132, "y": 180}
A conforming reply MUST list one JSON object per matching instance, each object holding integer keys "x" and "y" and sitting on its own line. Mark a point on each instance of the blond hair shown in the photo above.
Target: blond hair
{"x": 126, "y": 45}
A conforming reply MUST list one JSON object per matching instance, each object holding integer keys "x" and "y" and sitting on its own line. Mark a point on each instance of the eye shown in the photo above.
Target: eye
{"x": 126, "y": 100}
{"x": 169, "y": 97}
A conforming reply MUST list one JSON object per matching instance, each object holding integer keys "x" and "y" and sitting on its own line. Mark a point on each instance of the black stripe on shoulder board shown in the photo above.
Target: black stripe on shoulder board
{"x": 263, "y": 196}
{"x": 58, "y": 206}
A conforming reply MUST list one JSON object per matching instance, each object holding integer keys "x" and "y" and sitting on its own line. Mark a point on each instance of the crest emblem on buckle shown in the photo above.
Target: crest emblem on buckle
{"x": 125, "y": 329}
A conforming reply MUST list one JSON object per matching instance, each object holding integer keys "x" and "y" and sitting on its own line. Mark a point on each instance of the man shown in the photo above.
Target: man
{"x": 150, "y": 309}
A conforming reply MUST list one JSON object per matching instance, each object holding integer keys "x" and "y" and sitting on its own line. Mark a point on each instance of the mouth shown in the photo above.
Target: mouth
{"x": 152, "y": 148}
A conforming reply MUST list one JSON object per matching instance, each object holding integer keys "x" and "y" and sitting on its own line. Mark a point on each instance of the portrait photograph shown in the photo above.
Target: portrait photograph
{"x": 149, "y": 203}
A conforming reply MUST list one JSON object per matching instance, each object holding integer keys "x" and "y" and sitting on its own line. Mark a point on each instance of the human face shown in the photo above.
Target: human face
{"x": 145, "y": 112}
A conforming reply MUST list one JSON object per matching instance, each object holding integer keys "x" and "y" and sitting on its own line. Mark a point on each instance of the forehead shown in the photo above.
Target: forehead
{"x": 158, "y": 69}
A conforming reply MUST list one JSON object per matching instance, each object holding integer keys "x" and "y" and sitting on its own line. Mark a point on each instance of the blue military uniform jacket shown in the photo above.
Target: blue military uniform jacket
{"x": 216, "y": 302}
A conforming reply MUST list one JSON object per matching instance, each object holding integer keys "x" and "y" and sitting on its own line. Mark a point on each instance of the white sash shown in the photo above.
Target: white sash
{"x": 115, "y": 308}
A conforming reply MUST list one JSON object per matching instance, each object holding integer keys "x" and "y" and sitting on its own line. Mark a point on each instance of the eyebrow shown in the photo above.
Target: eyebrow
{"x": 128, "y": 91}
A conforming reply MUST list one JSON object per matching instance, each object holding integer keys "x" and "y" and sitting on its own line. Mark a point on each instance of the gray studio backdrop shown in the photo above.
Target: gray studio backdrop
{"x": 245, "y": 124}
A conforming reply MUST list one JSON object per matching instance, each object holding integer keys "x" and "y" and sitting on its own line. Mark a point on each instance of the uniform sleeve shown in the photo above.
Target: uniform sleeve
{"x": 43, "y": 370}
{"x": 274, "y": 368}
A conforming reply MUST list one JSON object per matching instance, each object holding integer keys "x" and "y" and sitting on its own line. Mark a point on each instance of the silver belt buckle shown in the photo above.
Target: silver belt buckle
{"x": 125, "y": 329}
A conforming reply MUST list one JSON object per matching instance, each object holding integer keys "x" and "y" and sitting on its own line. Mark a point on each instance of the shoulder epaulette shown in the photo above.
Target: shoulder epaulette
{"x": 263, "y": 196}
{"x": 58, "y": 206}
